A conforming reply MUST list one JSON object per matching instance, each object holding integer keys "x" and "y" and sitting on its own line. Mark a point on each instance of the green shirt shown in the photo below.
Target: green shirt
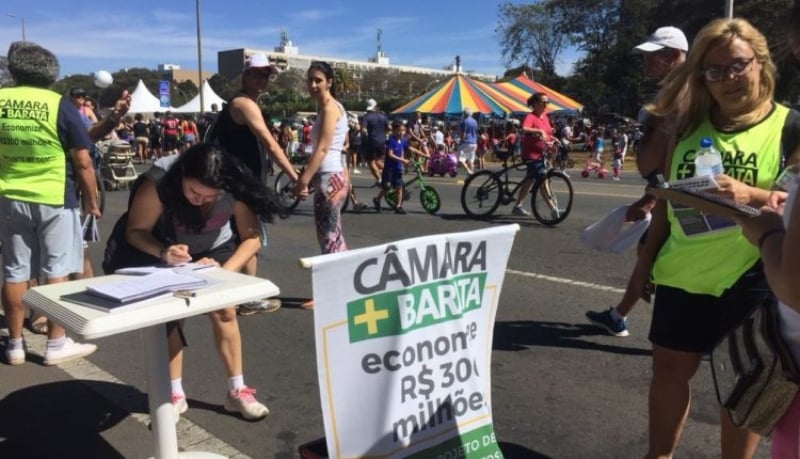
{"x": 706, "y": 254}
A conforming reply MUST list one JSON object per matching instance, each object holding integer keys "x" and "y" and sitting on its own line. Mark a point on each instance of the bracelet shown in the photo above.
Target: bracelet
{"x": 763, "y": 238}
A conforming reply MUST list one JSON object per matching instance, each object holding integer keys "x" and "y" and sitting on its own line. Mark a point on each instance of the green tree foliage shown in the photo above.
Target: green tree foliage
{"x": 530, "y": 35}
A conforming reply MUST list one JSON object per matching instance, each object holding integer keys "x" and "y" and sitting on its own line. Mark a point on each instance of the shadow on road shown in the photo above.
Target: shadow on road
{"x": 514, "y": 451}
{"x": 522, "y": 334}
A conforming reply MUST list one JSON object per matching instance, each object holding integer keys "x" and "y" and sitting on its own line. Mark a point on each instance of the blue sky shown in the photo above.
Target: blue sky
{"x": 89, "y": 35}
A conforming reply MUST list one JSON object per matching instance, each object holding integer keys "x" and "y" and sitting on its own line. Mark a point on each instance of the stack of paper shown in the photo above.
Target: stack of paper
{"x": 146, "y": 286}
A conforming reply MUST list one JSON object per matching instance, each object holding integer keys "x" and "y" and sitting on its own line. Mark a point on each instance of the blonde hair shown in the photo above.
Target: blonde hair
{"x": 687, "y": 80}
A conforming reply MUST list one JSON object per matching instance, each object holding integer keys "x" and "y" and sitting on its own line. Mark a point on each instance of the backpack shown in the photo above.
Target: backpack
{"x": 155, "y": 128}
{"x": 119, "y": 253}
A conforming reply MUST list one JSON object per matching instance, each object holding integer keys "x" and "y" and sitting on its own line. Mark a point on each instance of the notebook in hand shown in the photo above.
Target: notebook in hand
{"x": 707, "y": 202}
{"x": 146, "y": 286}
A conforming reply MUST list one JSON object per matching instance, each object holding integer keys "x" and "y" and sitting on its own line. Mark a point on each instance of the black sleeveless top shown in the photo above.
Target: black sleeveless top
{"x": 237, "y": 139}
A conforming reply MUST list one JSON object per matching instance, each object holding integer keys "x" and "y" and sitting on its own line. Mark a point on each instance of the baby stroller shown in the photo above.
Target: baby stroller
{"x": 116, "y": 165}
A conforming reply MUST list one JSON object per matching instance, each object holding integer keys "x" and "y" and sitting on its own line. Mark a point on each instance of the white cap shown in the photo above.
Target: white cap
{"x": 371, "y": 104}
{"x": 665, "y": 37}
{"x": 256, "y": 61}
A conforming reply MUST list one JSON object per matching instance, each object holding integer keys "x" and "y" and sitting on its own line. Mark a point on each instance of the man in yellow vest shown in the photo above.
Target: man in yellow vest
{"x": 44, "y": 161}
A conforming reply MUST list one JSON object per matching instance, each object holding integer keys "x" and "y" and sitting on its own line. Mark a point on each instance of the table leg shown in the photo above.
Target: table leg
{"x": 159, "y": 393}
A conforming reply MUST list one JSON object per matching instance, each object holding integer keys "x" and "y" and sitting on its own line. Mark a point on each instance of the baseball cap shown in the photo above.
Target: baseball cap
{"x": 77, "y": 92}
{"x": 665, "y": 37}
{"x": 371, "y": 104}
{"x": 258, "y": 61}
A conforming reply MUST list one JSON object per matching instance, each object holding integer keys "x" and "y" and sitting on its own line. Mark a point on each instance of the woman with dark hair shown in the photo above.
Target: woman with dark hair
{"x": 325, "y": 168}
{"x": 197, "y": 196}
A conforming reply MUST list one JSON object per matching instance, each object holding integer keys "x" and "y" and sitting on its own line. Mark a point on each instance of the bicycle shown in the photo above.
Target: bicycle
{"x": 485, "y": 190}
{"x": 284, "y": 188}
{"x": 428, "y": 196}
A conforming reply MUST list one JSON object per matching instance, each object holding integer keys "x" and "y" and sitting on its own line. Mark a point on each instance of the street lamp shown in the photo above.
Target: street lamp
{"x": 199, "y": 55}
{"x": 22, "y": 22}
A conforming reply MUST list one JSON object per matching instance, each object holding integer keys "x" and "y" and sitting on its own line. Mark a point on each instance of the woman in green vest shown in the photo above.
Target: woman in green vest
{"x": 707, "y": 275}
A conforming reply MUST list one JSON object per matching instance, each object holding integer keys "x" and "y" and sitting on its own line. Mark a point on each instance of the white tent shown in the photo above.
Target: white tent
{"x": 209, "y": 97}
{"x": 144, "y": 102}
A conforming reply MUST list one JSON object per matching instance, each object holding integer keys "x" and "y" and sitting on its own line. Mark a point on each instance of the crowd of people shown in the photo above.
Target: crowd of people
{"x": 209, "y": 202}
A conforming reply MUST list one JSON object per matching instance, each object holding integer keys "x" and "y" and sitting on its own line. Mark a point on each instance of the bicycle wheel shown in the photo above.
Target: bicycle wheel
{"x": 283, "y": 188}
{"x": 481, "y": 194}
{"x": 101, "y": 191}
{"x": 552, "y": 204}
{"x": 429, "y": 198}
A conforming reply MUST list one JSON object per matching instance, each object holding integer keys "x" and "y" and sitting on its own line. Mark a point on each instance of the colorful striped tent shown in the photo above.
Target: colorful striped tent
{"x": 459, "y": 92}
{"x": 521, "y": 87}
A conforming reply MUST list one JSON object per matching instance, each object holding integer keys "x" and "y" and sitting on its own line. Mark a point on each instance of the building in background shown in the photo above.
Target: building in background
{"x": 176, "y": 74}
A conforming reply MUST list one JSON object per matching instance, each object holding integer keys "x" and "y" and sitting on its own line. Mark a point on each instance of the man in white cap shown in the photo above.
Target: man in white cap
{"x": 468, "y": 129}
{"x": 241, "y": 131}
{"x": 373, "y": 126}
{"x": 664, "y": 50}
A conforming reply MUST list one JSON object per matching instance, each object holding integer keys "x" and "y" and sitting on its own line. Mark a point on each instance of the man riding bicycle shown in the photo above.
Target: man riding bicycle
{"x": 536, "y": 134}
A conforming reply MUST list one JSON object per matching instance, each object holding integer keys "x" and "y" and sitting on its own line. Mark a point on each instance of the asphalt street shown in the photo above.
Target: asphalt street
{"x": 560, "y": 387}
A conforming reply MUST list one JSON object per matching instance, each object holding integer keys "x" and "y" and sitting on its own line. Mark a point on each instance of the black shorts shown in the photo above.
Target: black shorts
{"x": 170, "y": 142}
{"x": 391, "y": 177}
{"x": 372, "y": 152}
{"x": 689, "y": 322}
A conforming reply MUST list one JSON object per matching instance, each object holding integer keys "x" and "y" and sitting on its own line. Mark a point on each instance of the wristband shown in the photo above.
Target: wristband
{"x": 767, "y": 234}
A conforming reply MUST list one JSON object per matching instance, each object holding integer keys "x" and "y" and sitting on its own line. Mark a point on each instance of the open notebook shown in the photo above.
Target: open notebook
{"x": 693, "y": 192}
{"x": 142, "y": 287}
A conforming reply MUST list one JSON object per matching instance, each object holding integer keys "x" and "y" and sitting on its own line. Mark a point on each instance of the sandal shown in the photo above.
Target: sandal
{"x": 38, "y": 325}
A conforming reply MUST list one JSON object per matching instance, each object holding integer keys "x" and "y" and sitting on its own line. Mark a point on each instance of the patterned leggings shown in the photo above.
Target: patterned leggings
{"x": 332, "y": 190}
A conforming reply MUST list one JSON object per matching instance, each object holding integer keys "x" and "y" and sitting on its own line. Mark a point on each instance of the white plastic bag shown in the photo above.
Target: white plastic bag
{"x": 612, "y": 233}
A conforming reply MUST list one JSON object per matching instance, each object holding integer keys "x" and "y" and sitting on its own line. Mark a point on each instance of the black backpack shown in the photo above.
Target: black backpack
{"x": 119, "y": 253}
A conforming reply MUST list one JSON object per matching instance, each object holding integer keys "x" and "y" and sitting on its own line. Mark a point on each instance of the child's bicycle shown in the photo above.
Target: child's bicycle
{"x": 595, "y": 167}
{"x": 428, "y": 196}
{"x": 551, "y": 196}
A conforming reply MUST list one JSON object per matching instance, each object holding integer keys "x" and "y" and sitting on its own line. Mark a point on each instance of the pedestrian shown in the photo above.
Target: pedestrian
{"x": 664, "y": 50}
{"x": 468, "y": 131}
{"x": 373, "y": 126}
{"x": 46, "y": 160}
{"x": 201, "y": 190}
{"x": 242, "y": 131}
{"x": 707, "y": 276}
{"x": 325, "y": 170}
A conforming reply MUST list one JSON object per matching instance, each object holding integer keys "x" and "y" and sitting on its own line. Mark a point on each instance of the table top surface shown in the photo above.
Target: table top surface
{"x": 226, "y": 289}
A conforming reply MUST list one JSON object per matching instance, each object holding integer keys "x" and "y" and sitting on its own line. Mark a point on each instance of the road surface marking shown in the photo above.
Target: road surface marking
{"x": 561, "y": 280}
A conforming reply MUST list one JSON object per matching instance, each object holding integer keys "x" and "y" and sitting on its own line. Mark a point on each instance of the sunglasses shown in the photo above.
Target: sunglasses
{"x": 718, "y": 72}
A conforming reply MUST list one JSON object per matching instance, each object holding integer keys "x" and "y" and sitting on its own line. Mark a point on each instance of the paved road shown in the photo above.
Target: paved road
{"x": 561, "y": 388}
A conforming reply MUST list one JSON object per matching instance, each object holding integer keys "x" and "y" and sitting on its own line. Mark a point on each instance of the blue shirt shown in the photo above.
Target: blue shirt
{"x": 73, "y": 134}
{"x": 469, "y": 130}
{"x": 397, "y": 148}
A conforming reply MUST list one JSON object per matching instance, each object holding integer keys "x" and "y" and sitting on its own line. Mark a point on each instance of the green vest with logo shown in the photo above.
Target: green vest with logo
{"x": 706, "y": 254}
{"x": 32, "y": 159}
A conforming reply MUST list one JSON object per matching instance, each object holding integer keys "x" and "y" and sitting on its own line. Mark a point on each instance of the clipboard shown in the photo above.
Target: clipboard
{"x": 707, "y": 202}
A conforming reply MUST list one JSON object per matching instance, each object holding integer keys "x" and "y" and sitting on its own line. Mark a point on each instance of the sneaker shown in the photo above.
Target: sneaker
{"x": 179, "y": 405}
{"x": 518, "y": 210}
{"x": 376, "y": 203}
{"x": 607, "y": 321}
{"x": 69, "y": 351}
{"x": 15, "y": 356}
{"x": 399, "y": 210}
{"x": 243, "y": 401}
{"x": 356, "y": 171}
{"x": 555, "y": 214}
{"x": 256, "y": 307}
{"x": 360, "y": 207}
{"x": 616, "y": 179}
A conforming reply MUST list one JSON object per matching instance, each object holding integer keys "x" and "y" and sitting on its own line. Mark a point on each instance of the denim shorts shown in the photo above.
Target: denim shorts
{"x": 535, "y": 169}
{"x": 39, "y": 239}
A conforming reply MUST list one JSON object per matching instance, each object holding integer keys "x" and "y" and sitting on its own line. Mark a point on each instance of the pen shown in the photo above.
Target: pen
{"x": 185, "y": 294}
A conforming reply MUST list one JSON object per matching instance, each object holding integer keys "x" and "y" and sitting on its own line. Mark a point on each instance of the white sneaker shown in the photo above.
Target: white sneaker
{"x": 69, "y": 351}
{"x": 15, "y": 356}
{"x": 356, "y": 171}
{"x": 518, "y": 210}
{"x": 179, "y": 405}
{"x": 243, "y": 401}
{"x": 554, "y": 214}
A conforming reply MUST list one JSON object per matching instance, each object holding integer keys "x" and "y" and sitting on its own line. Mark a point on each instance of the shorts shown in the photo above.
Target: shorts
{"x": 155, "y": 142}
{"x": 373, "y": 152}
{"x": 142, "y": 140}
{"x": 466, "y": 152}
{"x": 170, "y": 142}
{"x": 690, "y": 322}
{"x": 188, "y": 137}
{"x": 39, "y": 239}
{"x": 392, "y": 177}
{"x": 535, "y": 169}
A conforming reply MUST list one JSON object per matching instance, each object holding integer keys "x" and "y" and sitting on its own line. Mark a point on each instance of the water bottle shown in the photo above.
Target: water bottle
{"x": 708, "y": 160}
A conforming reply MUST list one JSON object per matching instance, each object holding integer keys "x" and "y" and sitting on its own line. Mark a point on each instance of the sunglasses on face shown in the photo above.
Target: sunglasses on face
{"x": 737, "y": 68}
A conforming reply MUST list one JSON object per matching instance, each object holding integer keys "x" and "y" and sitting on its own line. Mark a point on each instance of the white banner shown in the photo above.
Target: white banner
{"x": 404, "y": 339}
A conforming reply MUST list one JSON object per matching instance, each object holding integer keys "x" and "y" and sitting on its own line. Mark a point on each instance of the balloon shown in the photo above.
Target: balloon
{"x": 102, "y": 79}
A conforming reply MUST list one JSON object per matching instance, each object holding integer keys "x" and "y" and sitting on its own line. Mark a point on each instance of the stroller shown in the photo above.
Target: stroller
{"x": 116, "y": 165}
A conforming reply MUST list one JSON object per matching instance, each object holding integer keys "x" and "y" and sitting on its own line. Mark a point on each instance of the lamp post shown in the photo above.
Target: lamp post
{"x": 22, "y": 23}
{"x": 728, "y": 8}
{"x": 199, "y": 56}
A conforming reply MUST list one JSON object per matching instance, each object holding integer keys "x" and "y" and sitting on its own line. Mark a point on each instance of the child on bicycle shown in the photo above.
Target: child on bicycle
{"x": 395, "y": 160}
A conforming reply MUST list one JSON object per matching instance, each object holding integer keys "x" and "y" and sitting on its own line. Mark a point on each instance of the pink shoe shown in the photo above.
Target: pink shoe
{"x": 243, "y": 401}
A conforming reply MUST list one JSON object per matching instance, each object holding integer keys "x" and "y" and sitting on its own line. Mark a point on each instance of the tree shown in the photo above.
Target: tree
{"x": 530, "y": 35}
{"x": 5, "y": 77}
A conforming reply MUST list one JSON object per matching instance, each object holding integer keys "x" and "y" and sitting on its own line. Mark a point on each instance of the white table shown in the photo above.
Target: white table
{"x": 227, "y": 289}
